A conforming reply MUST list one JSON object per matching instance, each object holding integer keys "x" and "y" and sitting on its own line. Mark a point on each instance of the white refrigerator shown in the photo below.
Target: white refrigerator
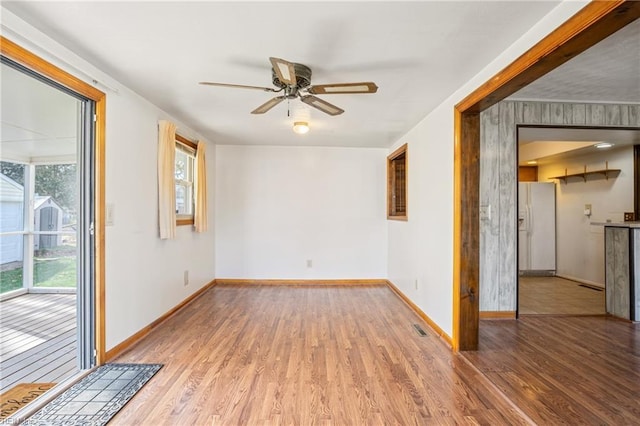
{"x": 536, "y": 228}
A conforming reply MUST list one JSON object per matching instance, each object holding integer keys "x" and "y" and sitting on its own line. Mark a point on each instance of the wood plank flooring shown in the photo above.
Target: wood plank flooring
{"x": 37, "y": 339}
{"x": 248, "y": 355}
{"x": 565, "y": 370}
{"x": 558, "y": 296}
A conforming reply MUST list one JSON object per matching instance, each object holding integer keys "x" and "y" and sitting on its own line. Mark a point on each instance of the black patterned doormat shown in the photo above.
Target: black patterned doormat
{"x": 96, "y": 398}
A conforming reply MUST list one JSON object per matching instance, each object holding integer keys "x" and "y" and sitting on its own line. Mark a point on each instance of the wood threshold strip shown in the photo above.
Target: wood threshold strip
{"x": 289, "y": 282}
{"x": 497, "y": 314}
{"x": 129, "y": 343}
{"x": 420, "y": 313}
{"x": 497, "y": 390}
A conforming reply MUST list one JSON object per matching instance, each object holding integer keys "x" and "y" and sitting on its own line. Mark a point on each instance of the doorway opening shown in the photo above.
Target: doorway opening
{"x": 592, "y": 24}
{"x": 47, "y": 239}
{"x": 569, "y": 180}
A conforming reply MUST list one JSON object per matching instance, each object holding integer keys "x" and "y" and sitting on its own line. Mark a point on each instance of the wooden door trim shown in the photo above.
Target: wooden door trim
{"x": 24, "y": 57}
{"x": 592, "y": 24}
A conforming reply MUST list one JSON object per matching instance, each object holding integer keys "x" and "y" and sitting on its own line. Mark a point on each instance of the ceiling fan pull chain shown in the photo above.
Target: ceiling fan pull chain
{"x": 288, "y": 108}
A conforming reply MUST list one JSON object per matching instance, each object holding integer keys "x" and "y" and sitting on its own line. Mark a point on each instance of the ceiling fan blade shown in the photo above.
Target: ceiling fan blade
{"x": 268, "y": 105}
{"x": 327, "y": 89}
{"x": 323, "y": 106}
{"x": 285, "y": 70}
{"x": 237, "y": 86}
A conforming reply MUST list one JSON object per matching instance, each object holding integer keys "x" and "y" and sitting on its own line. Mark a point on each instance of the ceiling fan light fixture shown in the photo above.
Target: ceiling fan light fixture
{"x": 301, "y": 127}
{"x": 293, "y": 80}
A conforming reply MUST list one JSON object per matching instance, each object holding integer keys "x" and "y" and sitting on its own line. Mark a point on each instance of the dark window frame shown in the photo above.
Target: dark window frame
{"x": 397, "y": 184}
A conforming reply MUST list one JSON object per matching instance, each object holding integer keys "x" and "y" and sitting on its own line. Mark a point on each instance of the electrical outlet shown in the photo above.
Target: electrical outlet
{"x": 416, "y": 283}
{"x": 309, "y": 263}
{"x": 186, "y": 277}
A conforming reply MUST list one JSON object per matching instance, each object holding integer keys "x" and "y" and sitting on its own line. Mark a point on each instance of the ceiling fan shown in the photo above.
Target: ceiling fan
{"x": 294, "y": 80}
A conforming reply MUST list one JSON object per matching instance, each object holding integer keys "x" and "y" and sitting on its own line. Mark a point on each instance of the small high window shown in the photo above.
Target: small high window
{"x": 397, "y": 184}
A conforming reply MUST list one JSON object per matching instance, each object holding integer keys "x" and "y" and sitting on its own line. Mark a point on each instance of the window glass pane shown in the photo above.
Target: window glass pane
{"x": 11, "y": 220}
{"x": 184, "y": 175}
{"x": 181, "y": 165}
{"x": 190, "y": 169}
{"x": 184, "y": 199}
{"x": 180, "y": 199}
{"x": 11, "y": 255}
{"x": 11, "y": 196}
{"x": 54, "y": 261}
{"x": 56, "y": 186}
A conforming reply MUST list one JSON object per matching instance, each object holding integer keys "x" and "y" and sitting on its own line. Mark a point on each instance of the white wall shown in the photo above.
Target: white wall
{"x": 579, "y": 245}
{"x": 277, "y": 207}
{"x": 144, "y": 275}
{"x": 422, "y": 248}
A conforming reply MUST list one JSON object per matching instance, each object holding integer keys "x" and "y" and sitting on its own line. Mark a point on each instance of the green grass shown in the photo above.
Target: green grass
{"x": 10, "y": 280}
{"x": 57, "y": 272}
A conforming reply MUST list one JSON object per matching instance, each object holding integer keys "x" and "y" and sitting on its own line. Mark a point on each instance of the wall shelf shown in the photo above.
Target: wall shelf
{"x": 606, "y": 172}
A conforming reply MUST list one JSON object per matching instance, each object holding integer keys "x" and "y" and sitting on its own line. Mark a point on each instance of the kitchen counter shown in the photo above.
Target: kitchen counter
{"x": 635, "y": 224}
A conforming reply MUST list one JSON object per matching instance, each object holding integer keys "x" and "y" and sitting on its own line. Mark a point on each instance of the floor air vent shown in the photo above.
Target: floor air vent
{"x": 419, "y": 330}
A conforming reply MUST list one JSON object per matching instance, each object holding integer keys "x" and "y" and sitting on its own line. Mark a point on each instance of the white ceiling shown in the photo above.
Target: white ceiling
{"x": 38, "y": 120}
{"x": 418, "y": 53}
{"x": 607, "y": 72}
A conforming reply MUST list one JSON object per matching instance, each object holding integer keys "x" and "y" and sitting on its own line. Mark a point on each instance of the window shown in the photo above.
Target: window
{"x": 185, "y": 175}
{"x": 397, "y": 184}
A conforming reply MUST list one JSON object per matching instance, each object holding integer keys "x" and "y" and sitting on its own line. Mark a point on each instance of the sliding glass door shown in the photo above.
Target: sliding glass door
{"x": 46, "y": 224}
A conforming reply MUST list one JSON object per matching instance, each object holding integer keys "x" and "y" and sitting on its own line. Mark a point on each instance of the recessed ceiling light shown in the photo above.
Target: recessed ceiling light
{"x": 532, "y": 162}
{"x": 603, "y": 145}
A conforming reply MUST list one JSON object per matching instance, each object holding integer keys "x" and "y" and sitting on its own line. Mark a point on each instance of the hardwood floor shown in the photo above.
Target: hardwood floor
{"x": 558, "y": 296}
{"x": 247, "y": 355}
{"x": 565, "y": 370}
{"x": 37, "y": 339}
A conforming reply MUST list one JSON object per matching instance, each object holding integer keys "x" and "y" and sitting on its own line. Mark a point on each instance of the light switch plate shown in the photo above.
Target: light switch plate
{"x": 109, "y": 214}
{"x": 485, "y": 212}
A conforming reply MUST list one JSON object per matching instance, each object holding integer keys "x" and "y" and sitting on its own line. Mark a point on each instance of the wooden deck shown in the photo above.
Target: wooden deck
{"x": 37, "y": 339}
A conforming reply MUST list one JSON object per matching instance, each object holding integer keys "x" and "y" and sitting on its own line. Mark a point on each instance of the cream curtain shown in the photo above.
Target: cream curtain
{"x": 166, "y": 179}
{"x": 200, "y": 215}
